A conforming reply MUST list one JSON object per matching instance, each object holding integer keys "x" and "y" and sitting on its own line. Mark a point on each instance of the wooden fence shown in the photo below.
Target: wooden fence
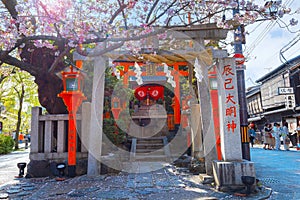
{"x": 49, "y": 136}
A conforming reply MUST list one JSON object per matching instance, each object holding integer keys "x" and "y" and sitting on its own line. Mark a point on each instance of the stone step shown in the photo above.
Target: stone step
{"x": 152, "y": 151}
{"x": 149, "y": 146}
{"x": 146, "y": 139}
{"x": 150, "y": 141}
{"x": 150, "y": 158}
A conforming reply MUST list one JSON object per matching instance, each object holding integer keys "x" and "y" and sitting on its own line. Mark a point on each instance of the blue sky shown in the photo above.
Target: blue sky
{"x": 264, "y": 42}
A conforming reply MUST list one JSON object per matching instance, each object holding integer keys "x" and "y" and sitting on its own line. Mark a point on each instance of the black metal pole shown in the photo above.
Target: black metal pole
{"x": 241, "y": 93}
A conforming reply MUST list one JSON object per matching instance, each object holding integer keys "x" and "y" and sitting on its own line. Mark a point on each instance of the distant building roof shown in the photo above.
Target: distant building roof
{"x": 287, "y": 65}
{"x": 252, "y": 91}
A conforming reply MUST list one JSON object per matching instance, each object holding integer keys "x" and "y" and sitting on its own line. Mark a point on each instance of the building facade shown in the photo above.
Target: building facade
{"x": 277, "y": 97}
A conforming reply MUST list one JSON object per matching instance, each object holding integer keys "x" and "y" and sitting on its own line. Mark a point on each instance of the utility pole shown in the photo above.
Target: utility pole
{"x": 238, "y": 41}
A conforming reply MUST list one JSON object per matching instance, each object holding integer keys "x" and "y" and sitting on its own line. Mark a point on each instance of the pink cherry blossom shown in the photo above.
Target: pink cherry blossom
{"x": 92, "y": 20}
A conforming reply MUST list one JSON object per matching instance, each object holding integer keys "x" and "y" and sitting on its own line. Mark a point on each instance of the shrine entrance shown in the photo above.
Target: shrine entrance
{"x": 149, "y": 111}
{"x": 160, "y": 93}
{"x": 159, "y": 89}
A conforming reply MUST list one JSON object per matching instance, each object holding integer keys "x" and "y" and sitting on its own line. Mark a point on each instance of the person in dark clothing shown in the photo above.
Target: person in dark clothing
{"x": 267, "y": 136}
{"x": 252, "y": 135}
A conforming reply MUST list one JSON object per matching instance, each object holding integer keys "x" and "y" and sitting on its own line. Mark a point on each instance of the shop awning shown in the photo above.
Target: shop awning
{"x": 253, "y": 119}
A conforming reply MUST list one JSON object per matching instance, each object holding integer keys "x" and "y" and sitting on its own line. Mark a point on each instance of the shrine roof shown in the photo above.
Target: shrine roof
{"x": 168, "y": 57}
{"x": 150, "y": 78}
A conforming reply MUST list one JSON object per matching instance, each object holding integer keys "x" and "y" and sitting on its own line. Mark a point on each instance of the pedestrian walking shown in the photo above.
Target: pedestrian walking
{"x": 21, "y": 138}
{"x": 298, "y": 136}
{"x": 252, "y": 134}
{"x": 276, "y": 135}
{"x": 267, "y": 136}
{"x": 272, "y": 136}
{"x": 284, "y": 135}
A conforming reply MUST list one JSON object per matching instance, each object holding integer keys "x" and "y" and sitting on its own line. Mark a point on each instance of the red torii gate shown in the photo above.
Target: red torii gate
{"x": 176, "y": 72}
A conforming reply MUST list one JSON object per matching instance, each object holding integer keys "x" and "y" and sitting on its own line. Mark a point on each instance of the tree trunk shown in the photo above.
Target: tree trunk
{"x": 21, "y": 98}
{"x": 49, "y": 87}
{"x": 49, "y": 84}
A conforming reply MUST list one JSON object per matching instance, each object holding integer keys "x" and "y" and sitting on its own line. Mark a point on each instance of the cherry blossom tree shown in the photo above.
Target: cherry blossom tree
{"x": 38, "y": 35}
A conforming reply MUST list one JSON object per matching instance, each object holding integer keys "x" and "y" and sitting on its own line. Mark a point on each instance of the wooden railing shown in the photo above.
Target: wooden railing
{"x": 49, "y": 136}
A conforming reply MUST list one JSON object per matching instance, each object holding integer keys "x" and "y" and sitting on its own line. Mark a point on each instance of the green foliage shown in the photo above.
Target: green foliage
{"x": 6, "y": 144}
{"x": 88, "y": 71}
{"x": 169, "y": 94}
{"x": 10, "y": 97}
{"x": 110, "y": 82}
{"x": 113, "y": 132}
{"x": 184, "y": 86}
{"x": 116, "y": 130}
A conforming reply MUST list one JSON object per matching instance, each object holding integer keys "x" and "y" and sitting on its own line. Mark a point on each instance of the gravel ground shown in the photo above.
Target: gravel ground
{"x": 167, "y": 183}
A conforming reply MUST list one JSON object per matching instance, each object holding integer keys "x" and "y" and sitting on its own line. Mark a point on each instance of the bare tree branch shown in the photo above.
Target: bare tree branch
{"x": 18, "y": 63}
{"x": 123, "y": 14}
{"x": 4, "y": 54}
{"x": 113, "y": 17}
{"x": 207, "y": 16}
{"x": 151, "y": 11}
{"x": 38, "y": 37}
{"x": 59, "y": 58}
{"x": 105, "y": 50}
{"x": 176, "y": 12}
{"x": 10, "y": 5}
{"x": 161, "y": 14}
{"x": 2, "y": 77}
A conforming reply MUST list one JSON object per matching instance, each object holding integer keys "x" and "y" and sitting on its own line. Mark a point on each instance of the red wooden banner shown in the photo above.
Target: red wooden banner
{"x": 154, "y": 91}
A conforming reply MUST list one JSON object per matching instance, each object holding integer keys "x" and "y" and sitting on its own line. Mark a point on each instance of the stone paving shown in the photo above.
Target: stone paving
{"x": 166, "y": 183}
{"x": 278, "y": 170}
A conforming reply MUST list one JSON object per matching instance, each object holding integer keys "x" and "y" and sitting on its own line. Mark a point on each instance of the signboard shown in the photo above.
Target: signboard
{"x": 285, "y": 90}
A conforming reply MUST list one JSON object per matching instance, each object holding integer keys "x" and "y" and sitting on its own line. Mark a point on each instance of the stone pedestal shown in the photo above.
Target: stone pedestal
{"x": 228, "y": 175}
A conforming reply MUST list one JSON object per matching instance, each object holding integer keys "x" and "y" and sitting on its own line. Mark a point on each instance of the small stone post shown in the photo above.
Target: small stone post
{"x": 35, "y": 137}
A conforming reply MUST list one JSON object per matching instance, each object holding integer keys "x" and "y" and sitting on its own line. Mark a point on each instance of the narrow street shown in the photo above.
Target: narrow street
{"x": 279, "y": 170}
{"x": 8, "y": 165}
